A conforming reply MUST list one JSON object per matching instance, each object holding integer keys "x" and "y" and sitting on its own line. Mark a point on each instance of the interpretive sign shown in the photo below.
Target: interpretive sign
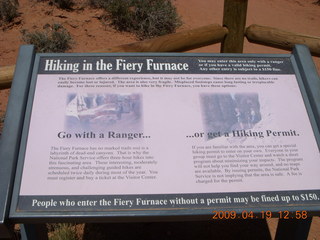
{"x": 166, "y": 134}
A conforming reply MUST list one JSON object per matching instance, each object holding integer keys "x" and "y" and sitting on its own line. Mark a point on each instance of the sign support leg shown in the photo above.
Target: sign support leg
{"x": 294, "y": 229}
{"x": 34, "y": 232}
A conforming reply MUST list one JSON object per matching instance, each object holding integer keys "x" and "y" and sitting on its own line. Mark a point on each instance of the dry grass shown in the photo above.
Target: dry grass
{"x": 55, "y": 38}
{"x": 8, "y": 11}
{"x": 62, "y": 231}
{"x": 145, "y": 18}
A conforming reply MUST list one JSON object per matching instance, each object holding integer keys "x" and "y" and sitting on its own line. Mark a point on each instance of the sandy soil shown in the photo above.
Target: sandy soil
{"x": 301, "y": 16}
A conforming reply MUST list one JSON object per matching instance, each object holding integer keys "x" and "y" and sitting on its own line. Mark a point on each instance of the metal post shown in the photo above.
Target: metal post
{"x": 293, "y": 229}
{"x": 34, "y": 232}
{"x": 10, "y": 139}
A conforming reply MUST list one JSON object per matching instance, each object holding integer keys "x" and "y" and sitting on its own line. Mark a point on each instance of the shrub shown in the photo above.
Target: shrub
{"x": 63, "y": 4}
{"x": 98, "y": 3}
{"x": 63, "y": 231}
{"x": 146, "y": 18}
{"x": 55, "y": 38}
{"x": 8, "y": 11}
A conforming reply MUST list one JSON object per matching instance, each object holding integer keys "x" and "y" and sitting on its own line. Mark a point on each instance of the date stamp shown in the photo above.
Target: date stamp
{"x": 259, "y": 215}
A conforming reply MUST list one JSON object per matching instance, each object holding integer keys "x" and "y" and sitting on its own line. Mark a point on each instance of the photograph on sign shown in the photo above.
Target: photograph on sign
{"x": 100, "y": 112}
{"x": 229, "y": 113}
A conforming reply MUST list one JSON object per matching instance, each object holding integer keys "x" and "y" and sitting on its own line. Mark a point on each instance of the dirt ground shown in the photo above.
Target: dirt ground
{"x": 301, "y": 16}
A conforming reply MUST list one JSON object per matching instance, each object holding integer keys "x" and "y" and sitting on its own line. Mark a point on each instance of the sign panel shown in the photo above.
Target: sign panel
{"x": 166, "y": 132}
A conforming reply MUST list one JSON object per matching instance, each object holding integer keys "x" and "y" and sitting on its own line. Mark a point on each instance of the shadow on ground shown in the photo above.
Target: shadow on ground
{"x": 235, "y": 229}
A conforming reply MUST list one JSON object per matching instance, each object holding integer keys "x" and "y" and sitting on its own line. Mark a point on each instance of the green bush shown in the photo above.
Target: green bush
{"x": 55, "y": 38}
{"x": 98, "y": 3}
{"x": 146, "y": 18}
{"x": 63, "y": 4}
{"x": 63, "y": 231}
{"x": 8, "y": 11}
